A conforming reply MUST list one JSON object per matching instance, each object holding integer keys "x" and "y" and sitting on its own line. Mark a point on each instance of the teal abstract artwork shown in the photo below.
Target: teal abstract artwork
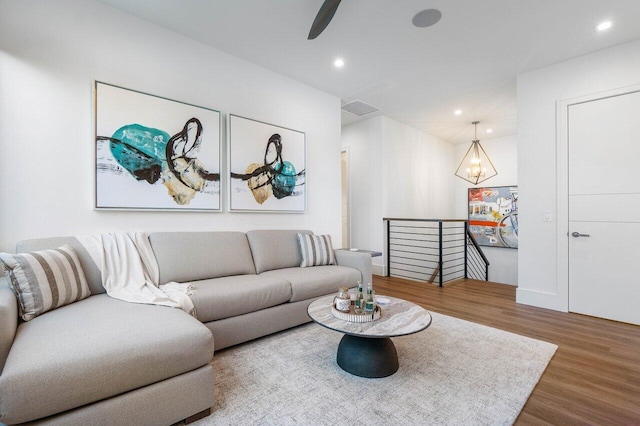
{"x": 267, "y": 167}
{"x": 155, "y": 153}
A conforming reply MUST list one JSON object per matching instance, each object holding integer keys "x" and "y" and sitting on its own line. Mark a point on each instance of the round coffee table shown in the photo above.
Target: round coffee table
{"x": 366, "y": 349}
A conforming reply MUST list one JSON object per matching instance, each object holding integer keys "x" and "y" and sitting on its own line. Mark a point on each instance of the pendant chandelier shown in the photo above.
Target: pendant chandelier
{"x": 476, "y": 166}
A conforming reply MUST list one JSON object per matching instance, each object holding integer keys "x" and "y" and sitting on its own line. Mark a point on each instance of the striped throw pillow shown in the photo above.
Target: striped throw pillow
{"x": 45, "y": 280}
{"x": 316, "y": 250}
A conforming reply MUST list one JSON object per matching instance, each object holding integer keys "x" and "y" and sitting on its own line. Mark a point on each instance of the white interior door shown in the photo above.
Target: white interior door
{"x": 604, "y": 207}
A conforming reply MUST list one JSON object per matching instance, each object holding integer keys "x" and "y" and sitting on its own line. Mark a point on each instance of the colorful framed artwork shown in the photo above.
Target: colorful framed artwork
{"x": 266, "y": 165}
{"x": 493, "y": 216}
{"x": 154, "y": 153}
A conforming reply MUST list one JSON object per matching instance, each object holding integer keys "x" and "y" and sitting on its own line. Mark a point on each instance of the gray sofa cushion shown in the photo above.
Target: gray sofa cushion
{"x": 275, "y": 249}
{"x": 191, "y": 256}
{"x": 315, "y": 281}
{"x": 95, "y": 349}
{"x": 226, "y": 297}
{"x": 91, "y": 271}
{"x": 8, "y": 320}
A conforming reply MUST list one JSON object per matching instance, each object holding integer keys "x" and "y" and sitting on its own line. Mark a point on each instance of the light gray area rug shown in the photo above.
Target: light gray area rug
{"x": 453, "y": 373}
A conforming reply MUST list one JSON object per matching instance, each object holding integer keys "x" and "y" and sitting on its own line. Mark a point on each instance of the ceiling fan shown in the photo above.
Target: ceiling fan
{"x": 324, "y": 16}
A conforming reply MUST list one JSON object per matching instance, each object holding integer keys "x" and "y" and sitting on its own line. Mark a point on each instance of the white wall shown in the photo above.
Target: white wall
{"x": 50, "y": 55}
{"x": 395, "y": 171}
{"x": 417, "y": 174}
{"x": 539, "y": 283}
{"x": 503, "y": 152}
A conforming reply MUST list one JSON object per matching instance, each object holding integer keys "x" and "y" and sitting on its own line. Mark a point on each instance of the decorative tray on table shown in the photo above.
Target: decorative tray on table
{"x": 351, "y": 316}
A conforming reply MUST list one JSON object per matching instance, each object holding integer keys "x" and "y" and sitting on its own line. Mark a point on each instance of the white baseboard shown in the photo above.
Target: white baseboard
{"x": 378, "y": 270}
{"x": 538, "y": 299}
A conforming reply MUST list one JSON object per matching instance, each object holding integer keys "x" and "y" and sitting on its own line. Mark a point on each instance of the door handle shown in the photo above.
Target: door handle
{"x": 577, "y": 234}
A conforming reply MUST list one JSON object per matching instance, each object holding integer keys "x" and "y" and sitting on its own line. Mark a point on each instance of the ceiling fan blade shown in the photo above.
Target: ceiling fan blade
{"x": 324, "y": 16}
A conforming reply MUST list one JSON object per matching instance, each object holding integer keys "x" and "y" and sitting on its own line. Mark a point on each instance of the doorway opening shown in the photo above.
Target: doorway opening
{"x": 346, "y": 216}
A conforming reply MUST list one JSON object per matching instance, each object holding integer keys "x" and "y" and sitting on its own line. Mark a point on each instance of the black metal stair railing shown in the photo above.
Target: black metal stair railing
{"x": 476, "y": 261}
{"x": 433, "y": 249}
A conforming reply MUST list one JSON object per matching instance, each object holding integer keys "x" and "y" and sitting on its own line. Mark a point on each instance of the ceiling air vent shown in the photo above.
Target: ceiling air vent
{"x": 359, "y": 108}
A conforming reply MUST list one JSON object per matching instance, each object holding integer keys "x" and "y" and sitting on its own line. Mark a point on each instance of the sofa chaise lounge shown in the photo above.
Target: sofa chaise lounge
{"x": 104, "y": 361}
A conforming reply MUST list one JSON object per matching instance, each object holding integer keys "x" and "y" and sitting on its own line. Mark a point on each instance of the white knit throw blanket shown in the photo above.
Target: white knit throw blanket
{"x": 130, "y": 271}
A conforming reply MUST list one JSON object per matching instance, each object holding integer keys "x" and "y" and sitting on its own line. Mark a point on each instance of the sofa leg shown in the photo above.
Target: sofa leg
{"x": 197, "y": 416}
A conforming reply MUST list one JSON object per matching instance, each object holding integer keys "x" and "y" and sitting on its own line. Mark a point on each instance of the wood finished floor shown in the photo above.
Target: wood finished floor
{"x": 594, "y": 377}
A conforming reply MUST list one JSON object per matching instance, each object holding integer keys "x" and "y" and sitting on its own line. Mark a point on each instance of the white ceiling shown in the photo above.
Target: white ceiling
{"x": 417, "y": 76}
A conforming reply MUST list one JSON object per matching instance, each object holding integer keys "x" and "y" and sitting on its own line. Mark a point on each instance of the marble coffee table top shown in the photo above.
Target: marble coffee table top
{"x": 398, "y": 318}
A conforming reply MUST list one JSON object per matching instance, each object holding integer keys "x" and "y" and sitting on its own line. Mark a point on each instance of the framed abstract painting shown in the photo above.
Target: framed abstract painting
{"x": 493, "y": 216}
{"x": 266, "y": 167}
{"x": 153, "y": 153}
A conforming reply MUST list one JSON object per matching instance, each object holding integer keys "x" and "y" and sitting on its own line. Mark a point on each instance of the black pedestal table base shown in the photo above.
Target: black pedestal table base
{"x": 366, "y": 349}
{"x": 367, "y": 357}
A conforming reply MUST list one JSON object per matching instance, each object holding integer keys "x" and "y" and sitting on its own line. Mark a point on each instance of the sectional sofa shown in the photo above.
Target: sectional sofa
{"x": 104, "y": 361}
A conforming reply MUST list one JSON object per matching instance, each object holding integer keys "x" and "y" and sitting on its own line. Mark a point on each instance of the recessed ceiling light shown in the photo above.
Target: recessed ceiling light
{"x": 426, "y": 18}
{"x": 338, "y": 63}
{"x": 489, "y": 130}
{"x": 457, "y": 112}
{"x": 605, "y": 25}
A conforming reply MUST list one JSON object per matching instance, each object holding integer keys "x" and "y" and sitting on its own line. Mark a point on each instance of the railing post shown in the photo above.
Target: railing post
{"x": 440, "y": 265}
{"x": 388, "y": 248}
{"x": 466, "y": 249}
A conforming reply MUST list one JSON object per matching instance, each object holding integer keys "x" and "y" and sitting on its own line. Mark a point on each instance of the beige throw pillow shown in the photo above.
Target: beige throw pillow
{"x": 45, "y": 280}
{"x": 316, "y": 250}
